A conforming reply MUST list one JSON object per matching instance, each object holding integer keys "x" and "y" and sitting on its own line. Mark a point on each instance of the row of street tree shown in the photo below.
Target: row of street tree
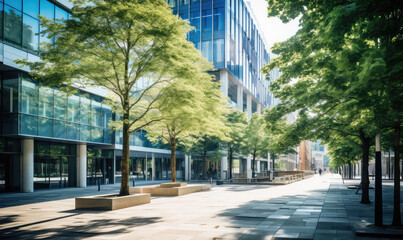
{"x": 342, "y": 73}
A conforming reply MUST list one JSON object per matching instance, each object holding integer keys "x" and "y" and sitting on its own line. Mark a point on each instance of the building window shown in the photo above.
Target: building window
{"x": 29, "y": 98}
{"x": 31, "y": 7}
{"x": 30, "y": 38}
{"x": 12, "y": 25}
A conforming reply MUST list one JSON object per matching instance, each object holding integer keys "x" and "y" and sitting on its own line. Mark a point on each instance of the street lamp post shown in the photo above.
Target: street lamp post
{"x": 378, "y": 182}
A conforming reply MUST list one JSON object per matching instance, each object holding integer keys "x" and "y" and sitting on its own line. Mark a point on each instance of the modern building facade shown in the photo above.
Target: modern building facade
{"x": 51, "y": 140}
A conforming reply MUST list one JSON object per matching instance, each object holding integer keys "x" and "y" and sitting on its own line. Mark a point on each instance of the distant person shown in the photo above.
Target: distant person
{"x": 320, "y": 172}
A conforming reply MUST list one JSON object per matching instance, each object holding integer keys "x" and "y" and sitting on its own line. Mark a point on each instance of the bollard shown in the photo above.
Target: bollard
{"x": 134, "y": 182}
{"x": 65, "y": 182}
{"x": 211, "y": 181}
{"x": 99, "y": 185}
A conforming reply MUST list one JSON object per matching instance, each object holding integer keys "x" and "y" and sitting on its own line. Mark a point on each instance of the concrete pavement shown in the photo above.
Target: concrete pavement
{"x": 317, "y": 208}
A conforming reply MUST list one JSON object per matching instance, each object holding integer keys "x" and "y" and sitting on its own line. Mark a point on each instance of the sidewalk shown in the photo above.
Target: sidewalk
{"x": 315, "y": 208}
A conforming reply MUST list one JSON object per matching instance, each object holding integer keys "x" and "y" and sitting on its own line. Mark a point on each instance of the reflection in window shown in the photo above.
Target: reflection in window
{"x": 74, "y": 108}
{"x": 207, "y": 50}
{"x": 60, "y": 105}
{"x": 96, "y": 118}
{"x": 219, "y": 52}
{"x": 29, "y": 124}
{"x": 29, "y": 98}
{"x": 30, "y": 39}
{"x": 14, "y": 3}
{"x": 12, "y": 25}
{"x": 10, "y": 92}
{"x": 73, "y": 131}
{"x": 85, "y": 110}
{"x": 60, "y": 14}
{"x": 85, "y": 133}
{"x": 106, "y": 115}
{"x": 60, "y": 129}
{"x": 46, "y": 102}
{"x": 45, "y": 127}
{"x": 31, "y": 7}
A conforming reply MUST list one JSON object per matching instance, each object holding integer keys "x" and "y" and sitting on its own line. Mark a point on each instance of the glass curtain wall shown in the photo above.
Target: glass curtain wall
{"x": 49, "y": 112}
{"x": 20, "y": 25}
{"x": 54, "y": 165}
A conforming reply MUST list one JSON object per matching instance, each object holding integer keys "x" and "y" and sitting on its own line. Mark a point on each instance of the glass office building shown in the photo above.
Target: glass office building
{"x": 227, "y": 35}
{"x": 49, "y": 139}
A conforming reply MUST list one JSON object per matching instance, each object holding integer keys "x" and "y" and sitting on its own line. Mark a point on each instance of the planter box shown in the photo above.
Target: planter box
{"x": 173, "y": 184}
{"x": 111, "y": 202}
{"x": 178, "y": 191}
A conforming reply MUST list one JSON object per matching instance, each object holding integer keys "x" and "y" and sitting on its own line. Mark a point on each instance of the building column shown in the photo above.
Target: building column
{"x": 28, "y": 165}
{"x": 153, "y": 166}
{"x": 240, "y": 98}
{"x": 249, "y": 167}
{"x": 259, "y": 108}
{"x": 146, "y": 167}
{"x": 258, "y": 166}
{"x": 224, "y": 82}
{"x": 190, "y": 167}
{"x": 82, "y": 165}
{"x": 249, "y": 105}
{"x": 224, "y": 168}
{"x": 186, "y": 168}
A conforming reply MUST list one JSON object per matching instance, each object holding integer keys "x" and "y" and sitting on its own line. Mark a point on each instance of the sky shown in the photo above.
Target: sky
{"x": 273, "y": 29}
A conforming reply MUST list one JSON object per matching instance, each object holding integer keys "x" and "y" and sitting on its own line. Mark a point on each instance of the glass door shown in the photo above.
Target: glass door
{"x": 4, "y": 173}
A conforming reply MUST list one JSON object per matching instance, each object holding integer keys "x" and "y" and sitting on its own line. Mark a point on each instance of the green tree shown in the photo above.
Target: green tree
{"x": 255, "y": 140}
{"x": 132, "y": 48}
{"x": 352, "y": 51}
{"x": 236, "y": 122}
{"x": 192, "y": 107}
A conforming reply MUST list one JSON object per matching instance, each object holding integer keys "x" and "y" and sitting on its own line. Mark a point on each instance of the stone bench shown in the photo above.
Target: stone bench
{"x": 170, "y": 189}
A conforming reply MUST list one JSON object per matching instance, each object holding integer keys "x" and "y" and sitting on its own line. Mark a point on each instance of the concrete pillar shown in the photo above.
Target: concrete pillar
{"x": 28, "y": 165}
{"x": 258, "y": 166}
{"x": 153, "y": 166}
{"x": 240, "y": 98}
{"x": 186, "y": 168}
{"x": 190, "y": 167}
{"x": 146, "y": 167}
{"x": 249, "y": 167}
{"x": 249, "y": 105}
{"x": 82, "y": 165}
{"x": 224, "y": 168}
{"x": 259, "y": 108}
{"x": 224, "y": 82}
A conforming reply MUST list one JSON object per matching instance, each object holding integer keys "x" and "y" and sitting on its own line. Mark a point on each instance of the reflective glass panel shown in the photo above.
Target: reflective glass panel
{"x": 14, "y": 3}
{"x": 46, "y": 102}
{"x": 29, "y": 124}
{"x": 60, "y": 14}
{"x": 31, "y": 7}
{"x": 85, "y": 133}
{"x": 85, "y": 110}
{"x": 60, "y": 129}
{"x": 74, "y": 108}
{"x": 29, "y": 98}
{"x": 12, "y": 25}
{"x": 96, "y": 134}
{"x": 73, "y": 131}
{"x": 96, "y": 118}
{"x": 45, "y": 127}
{"x": 106, "y": 115}
{"x": 47, "y": 9}
{"x": 30, "y": 37}
{"x": 60, "y": 105}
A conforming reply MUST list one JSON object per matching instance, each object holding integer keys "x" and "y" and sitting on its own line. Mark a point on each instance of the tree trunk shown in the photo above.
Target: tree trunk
{"x": 364, "y": 175}
{"x": 173, "y": 160}
{"x": 253, "y": 161}
{"x": 396, "y": 190}
{"x": 124, "y": 185}
{"x": 350, "y": 171}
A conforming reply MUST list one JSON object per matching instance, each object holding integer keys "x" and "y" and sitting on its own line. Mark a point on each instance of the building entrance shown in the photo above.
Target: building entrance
{"x": 4, "y": 173}
{"x": 53, "y": 172}
{"x": 99, "y": 169}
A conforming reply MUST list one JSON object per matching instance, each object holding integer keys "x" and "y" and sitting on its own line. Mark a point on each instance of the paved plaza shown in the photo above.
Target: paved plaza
{"x": 317, "y": 208}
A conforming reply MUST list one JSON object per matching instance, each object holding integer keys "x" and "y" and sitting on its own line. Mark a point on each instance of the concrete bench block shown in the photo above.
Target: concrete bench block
{"x": 173, "y": 184}
{"x": 178, "y": 191}
{"x": 111, "y": 202}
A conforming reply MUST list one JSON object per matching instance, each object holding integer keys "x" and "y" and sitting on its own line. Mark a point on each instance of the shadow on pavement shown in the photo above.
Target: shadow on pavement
{"x": 77, "y": 228}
